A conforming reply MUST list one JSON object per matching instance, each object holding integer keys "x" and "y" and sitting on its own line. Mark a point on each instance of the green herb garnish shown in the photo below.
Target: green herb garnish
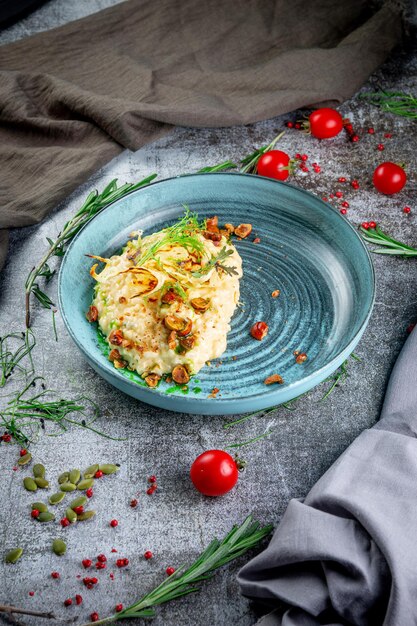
{"x": 93, "y": 204}
{"x": 220, "y": 167}
{"x": 182, "y": 233}
{"x": 250, "y": 162}
{"x": 396, "y": 102}
{"x": 249, "y": 441}
{"x": 217, "y": 262}
{"x": 339, "y": 376}
{"x": 389, "y": 244}
{"x": 24, "y": 416}
{"x": 10, "y": 358}
{"x": 186, "y": 580}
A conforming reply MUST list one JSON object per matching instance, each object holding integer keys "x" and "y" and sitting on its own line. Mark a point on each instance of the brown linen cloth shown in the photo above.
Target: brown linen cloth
{"x": 74, "y": 97}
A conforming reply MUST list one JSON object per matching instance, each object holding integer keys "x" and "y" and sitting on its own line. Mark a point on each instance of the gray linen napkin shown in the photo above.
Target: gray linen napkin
{"x": 347, "y": 554}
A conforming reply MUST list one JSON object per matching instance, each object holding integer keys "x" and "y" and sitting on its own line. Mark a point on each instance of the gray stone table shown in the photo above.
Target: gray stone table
{"x": 176, "y": 522}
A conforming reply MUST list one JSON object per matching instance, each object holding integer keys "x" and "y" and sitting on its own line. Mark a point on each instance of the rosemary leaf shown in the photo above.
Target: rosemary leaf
{"x": 250, "y": 163}
{"x": 227, "y": 165}
{"x": 390, "y": 245}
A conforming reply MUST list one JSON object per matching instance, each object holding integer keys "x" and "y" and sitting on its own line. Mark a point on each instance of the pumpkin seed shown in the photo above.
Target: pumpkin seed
{"x": 29, "y": 484}
{"x": 71, "y": 516}
{"x": 108, "y": 468}
{"x": 74, "y": 476}
{"x": 59, "y": 547}
{"x": 78, "y": 502}
{"x": 82, "y": 517}
{"x": 56, "y": 498}
{"x": 25, "y": 459}
{"x": 41, "y": 482}
{"x": 68, "y": 487}
{"x": 14, "y": 555}
{"x": 63, "y": 478}
{"x": 90, "y": 471}
{"x": 39, "y": 506}
{"x": 38, "y": 470}
{"x": 47, "y": 516}
{"x": 84, "y": 484}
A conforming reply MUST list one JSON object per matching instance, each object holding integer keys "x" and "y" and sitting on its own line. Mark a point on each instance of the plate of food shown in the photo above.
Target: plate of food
{"x": 216, "y": 293}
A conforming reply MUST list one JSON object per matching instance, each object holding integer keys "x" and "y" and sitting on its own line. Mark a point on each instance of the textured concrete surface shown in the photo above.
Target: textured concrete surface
{"x": 176, "y": 523}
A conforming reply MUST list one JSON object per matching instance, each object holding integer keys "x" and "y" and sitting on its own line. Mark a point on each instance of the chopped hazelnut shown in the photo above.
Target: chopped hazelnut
{"x": 275, "y": 378}
{"x": 243, "y": 230}
{"x": 180, "y": 375}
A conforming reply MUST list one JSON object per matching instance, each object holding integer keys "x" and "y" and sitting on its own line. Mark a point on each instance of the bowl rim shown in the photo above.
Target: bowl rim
{"x": 220, "y": 400}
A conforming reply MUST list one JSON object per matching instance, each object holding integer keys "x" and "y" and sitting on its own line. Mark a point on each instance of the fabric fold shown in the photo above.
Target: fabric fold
{"x": 347, "y": 553}
{"x": 72, "y": 98}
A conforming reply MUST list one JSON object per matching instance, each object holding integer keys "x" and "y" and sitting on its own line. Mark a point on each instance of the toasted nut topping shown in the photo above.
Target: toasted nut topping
{"x": 152, "y": 380}
{"x": 120, "y": 365}
{"x": 300, "y": 358}
{"x": 116, "y": 337}
{"x": 212, "y": 224}
{"x": 230, "y": 228}
{"x": 275, "y": 293}
{"x": 92, "y": 314}
{"x": 212, "y": 236}
{"x": 170, "y": 296}
{"x": 259, "y": 330}
{"x": 127, "y": 344}
{"x": 172, "y": 340}
{"x": 122, "y": 300}
{"x": 187, "y": 328}
{"x": 186, "y": 264}
{"x": 180, "y": 375}
{"x": 114, "y": 355}
{"x": 188, "y": 342}
{"x": 243, "y": 230}
{"x": 182, "y": 326}
{"x": 275, "y": 378}
{"x": 200, "y": 304}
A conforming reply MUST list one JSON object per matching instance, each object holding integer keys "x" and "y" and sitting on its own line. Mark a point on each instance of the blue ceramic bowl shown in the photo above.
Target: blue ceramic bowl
{"x": 306, "y": 250}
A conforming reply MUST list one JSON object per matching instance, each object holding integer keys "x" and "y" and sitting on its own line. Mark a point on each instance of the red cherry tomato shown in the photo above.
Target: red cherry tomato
{"x": 325, "y": 123}
{"x": 214, "y": 473}
{"x": 273, "y": 164}
{"x": 389, "y": 178}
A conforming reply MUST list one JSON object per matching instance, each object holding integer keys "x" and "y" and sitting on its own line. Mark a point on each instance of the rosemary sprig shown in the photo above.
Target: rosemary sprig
{"x": 220, "y": 167}
{"x": 217, "y": 261}
{"x": 339, "y": 376}
{"x": 219, "y": 552}
{"x": 24, "y": 416}
{"x": 396, "y": 102}
{"x": 93, "y": 204}
{"x": 250, "y": 162}
{"x": 10, "y": 358}
{"x": 389, "y": 244}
